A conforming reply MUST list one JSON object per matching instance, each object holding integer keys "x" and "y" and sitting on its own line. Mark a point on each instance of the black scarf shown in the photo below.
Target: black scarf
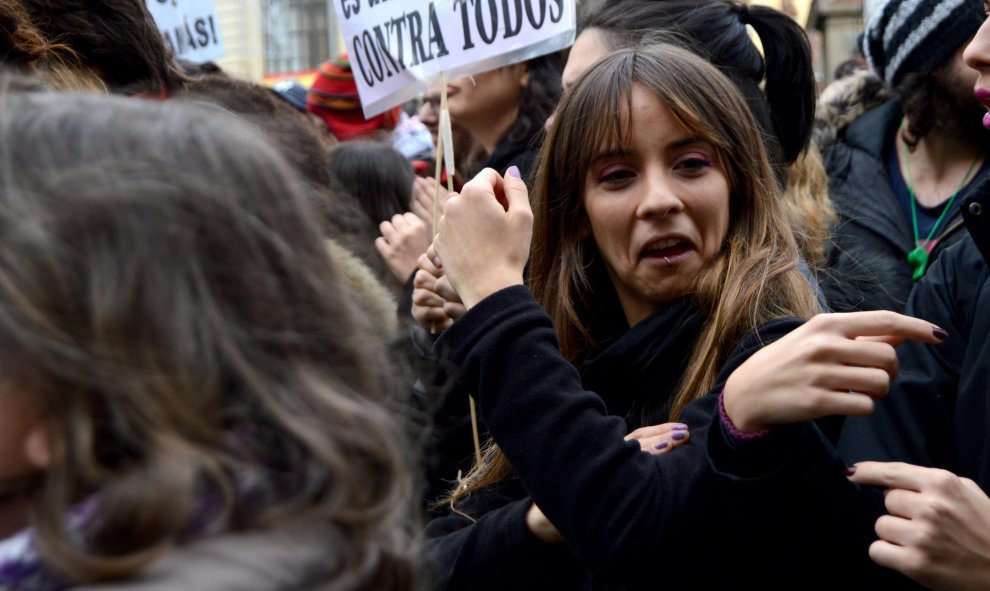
{"x": 638, "y": 374}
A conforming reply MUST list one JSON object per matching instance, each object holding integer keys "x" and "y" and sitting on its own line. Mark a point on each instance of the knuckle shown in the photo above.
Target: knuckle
{"x": 887, "y": 321}
{"x": 818, "y": 345}
{"x": 943, "y": 479}
{"x": 819, "y": 321}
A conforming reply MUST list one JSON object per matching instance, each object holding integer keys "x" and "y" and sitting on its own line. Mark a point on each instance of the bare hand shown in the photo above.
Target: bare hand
{"x": 484, "y": 235}
{"x": 541, "y": 527}
{"x": 403, "y": 239}
{"x": 660, "y": 439}
{"x": 424, "y": 190}
{"x": 832, "y": 365}
{"x": 435, "y": 303}
{"x": 938, "y": 530}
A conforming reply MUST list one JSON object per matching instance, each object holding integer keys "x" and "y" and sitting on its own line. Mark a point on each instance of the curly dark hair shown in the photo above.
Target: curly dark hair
{"x": 937, "y": 101}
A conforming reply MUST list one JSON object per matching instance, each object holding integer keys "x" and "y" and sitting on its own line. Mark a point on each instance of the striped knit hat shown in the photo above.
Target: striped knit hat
{"x": 906, "y": 36}
{"x": 334, "y": 98}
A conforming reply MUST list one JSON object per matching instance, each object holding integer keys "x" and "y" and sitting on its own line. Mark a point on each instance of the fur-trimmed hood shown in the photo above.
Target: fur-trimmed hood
{"x": 844, "y": 101}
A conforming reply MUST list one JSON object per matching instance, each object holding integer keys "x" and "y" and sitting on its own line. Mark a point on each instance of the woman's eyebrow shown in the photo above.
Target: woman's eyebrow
{"x": 687, "y": 141}
{"x": 609, "y": 154}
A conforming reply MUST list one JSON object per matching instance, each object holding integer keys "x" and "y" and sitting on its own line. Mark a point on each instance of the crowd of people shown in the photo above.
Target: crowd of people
{"x": 720, "y": 329}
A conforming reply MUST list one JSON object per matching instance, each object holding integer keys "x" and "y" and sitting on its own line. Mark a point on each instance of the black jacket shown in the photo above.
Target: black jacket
{"x": 694, "y": 517}
{"x": 936, "y": 414}
{"x": 938, "y": 410}
{"x": 867, "y": 266}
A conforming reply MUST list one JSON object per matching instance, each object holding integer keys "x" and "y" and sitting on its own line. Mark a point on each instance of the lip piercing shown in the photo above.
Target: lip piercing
{"x": 669, "y": 264}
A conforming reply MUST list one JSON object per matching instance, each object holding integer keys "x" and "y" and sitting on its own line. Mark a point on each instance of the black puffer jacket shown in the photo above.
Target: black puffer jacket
{"x": 867, "y": 266}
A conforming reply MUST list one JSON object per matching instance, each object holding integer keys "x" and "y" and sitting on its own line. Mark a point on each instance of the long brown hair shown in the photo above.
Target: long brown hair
{"x": 755, "y": 277}
{"x": 166, "y": 298}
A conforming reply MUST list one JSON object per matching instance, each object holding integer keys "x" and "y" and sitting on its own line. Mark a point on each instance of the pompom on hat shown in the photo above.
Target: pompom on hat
{"x": 906, "y": 36}
{"x": 334, "y": 98}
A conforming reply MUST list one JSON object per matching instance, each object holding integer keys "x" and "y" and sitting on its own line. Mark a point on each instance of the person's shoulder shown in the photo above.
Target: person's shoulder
{"x": 844, "y": 102}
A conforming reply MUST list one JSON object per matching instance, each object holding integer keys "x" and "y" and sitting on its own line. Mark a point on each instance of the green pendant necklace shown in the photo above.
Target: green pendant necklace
{"x": 918, "y": 258}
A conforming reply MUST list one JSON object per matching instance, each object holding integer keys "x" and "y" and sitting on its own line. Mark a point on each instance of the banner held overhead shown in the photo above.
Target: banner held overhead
{"x": 398, "y": 48}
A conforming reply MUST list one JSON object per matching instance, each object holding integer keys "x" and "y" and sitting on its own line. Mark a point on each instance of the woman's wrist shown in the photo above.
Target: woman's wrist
{"x": 480, "y": 290}
{"x": 541, "y": 528}
{"x": 734, "y": 422}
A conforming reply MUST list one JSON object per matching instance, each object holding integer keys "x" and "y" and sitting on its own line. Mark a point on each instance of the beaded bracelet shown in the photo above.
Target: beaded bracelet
{"x": 734, "y": 432}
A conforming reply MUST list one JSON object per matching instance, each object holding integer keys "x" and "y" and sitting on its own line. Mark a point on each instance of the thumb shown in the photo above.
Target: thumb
{"x": 516, "y": 192}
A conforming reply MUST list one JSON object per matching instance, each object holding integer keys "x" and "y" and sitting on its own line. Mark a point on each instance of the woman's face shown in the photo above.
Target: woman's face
{"x": 489, "y": 96}
{"x": 977, "y": 56}
{"x": 429, "y": 114}
{"x": 658, "y": 209}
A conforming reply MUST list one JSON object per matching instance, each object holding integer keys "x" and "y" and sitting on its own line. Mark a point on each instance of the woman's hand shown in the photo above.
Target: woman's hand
{"x": 423, "y": 193}
{"x": 403, "y": 239}
{"x": 435, "y": 304}
{"x": 835, "y": 364}
{"x": 660, "y": 439}
{"x": 938, "y": 530}
{"x": 484, "y": 235}
{"x": 541, "y": 527}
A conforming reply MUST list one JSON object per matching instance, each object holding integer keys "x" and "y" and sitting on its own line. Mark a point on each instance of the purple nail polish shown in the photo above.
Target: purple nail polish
{"x": 940, "y": 334}
{"x": 661, "y": 445}
{"x": 850, "y": 470}
{"x": 679, "y": 427}
{"x": 513, "y": 171}
{"x": 678, "y": 435}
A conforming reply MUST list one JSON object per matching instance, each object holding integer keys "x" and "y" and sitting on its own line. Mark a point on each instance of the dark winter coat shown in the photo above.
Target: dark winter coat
{"x": 867, "y": 267}
{"x": 937, "y": 413}
{"x": 695, "y": 517}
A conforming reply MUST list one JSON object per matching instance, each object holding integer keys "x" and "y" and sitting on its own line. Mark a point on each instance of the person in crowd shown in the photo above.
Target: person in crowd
{"x": 777, "y": 82}
{"x": 898, "y": 173}
{"x": 926, "y": 443}
{"x": 333, "y": 97}
{"x": 504, "y": 110}
{"x": 117, "y": 40}
{"x": 377, "y": 176}
{"x": 306, "y": 148}
{"x": 192, "y": 399}
{"x": 468, "y": 153}
{"x": 380, "y": 180}
{"x": 662, "y": 261}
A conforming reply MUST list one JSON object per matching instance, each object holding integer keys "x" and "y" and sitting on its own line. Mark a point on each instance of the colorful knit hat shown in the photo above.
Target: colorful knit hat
{"x": 906, "y": 36}
{"x": 334, "y": 98}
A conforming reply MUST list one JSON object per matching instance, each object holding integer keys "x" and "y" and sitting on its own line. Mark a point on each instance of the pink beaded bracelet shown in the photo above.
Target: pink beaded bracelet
{"x": 734, "y": 432}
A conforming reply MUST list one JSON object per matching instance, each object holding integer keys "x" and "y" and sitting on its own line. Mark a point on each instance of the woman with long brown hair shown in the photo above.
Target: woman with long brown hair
{"x": 191, "y": 396}
{"x": 661, "y": 261}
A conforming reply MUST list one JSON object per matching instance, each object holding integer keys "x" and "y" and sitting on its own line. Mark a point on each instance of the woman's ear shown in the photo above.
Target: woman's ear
{"x": 522, "y": 74}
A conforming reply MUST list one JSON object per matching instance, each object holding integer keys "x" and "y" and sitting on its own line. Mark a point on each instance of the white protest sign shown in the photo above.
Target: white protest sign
{"x": 398, "y": 47}
{"x": 190, "y": 28}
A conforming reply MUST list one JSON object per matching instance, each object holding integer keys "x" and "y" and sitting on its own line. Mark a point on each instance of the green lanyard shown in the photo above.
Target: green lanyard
{"x": 919, "y": 256}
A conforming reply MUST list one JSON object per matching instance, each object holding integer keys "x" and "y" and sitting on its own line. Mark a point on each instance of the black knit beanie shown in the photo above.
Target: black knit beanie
{"x": 906, "y": 36}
